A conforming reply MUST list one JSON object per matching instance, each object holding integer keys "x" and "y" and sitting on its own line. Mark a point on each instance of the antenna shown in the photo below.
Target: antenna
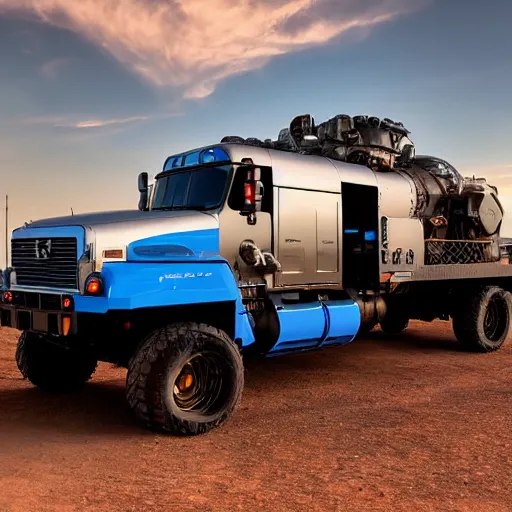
{"x": 6, "y": 231}
{"x": 72, "y": 211}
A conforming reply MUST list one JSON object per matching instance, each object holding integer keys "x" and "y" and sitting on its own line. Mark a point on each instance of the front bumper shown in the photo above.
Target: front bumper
{"x": 39, "y": 312}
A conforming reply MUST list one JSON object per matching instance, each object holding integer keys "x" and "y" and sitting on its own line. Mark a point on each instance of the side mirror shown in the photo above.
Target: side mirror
{"x": 253, "y": 193}
{"x": 144, "y": 191}
{"x": 253, "y": 190}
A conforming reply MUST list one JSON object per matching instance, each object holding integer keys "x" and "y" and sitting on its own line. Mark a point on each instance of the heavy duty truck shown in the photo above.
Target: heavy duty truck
{"x": 256, "y": 248}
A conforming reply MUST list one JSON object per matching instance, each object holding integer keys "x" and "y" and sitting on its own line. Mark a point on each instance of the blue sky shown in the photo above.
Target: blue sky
{"x": 91, "y": 94}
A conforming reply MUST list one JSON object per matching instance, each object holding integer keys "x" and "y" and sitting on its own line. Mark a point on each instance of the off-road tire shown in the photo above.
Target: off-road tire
{"x": 21, "y": 360}
{"x": 393, "y": 325}
{"x": 469, "y": 320}
{"x": 51, "y": 367}
{"x": 366, "y": 329}
{"x": 157, "y": 364}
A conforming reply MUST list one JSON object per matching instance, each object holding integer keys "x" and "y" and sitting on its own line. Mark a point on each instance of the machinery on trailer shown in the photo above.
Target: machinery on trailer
{"x": 251, "y": 247}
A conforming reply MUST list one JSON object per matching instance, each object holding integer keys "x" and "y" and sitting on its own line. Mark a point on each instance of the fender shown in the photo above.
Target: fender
{"x": 132, "y": 286}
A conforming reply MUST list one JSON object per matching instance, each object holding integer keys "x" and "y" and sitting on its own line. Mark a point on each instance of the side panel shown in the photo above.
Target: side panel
{"x": 142, "y": 285}
{"x": 402, "y": 244}
{"x": 234, "y": 229}
{"x": 327, "y": 236}
{"x": 307, "y": 233}
{"x": 397, "y": 195}
{"x": 353, "y": 173}
{"x": 305, "y": 171}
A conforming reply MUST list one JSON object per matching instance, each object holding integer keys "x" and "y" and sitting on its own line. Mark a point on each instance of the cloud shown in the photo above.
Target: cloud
{"x": 67, "y": 122}
{"x": 81, "y": 124}
{"x": 195, "y": 44}
{"x": 98, "y": 123}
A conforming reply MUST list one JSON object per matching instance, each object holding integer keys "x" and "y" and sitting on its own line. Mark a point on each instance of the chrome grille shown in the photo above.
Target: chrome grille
{"x": 45, "y": 262}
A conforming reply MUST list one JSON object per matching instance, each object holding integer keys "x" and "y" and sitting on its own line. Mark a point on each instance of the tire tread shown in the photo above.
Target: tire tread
{"x": 147, "y": 371}
{"x": 51, "y": 368}
{"x": 466, "y": 320}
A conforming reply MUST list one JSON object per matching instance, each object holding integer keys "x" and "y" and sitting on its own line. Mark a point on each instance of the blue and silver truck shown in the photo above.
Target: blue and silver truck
{"x": 251, "y": 248}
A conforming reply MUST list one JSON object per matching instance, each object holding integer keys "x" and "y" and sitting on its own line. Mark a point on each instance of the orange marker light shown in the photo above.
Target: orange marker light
{"x": 113, "y": 254}
{"x": 66, "y": 303}
{"x": 66, "y": 325}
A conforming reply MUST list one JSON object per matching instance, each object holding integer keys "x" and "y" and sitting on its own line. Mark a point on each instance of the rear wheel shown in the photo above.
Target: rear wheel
{"x": 52, "y": 367}
{"x": 186, "y": 379}
{"x": 394, "y": 324}
{"x": 366, "y": 328}
{"x": 482, "y": 320}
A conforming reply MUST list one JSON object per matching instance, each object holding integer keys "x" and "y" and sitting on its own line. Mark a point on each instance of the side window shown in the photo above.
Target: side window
{"x": 192, "y": 159}
{"x": 236, "y": 195}
{"x": 237, "y": 198}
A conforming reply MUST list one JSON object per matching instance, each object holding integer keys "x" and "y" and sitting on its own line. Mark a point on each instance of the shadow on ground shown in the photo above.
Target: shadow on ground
{"x": 100, "y": 406}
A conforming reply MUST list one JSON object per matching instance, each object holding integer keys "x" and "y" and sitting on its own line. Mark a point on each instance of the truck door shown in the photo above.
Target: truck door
{"x": 360, "y": 253}
{"x": 307, "y": 237}
{"x": 234, "y": 228}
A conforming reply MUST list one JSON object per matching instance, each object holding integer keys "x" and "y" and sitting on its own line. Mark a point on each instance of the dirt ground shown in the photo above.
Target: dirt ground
{"x": 410, "y": 424}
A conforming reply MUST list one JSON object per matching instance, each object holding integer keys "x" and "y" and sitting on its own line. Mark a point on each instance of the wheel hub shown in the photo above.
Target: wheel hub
{"x": 184, "y": 382}
{"x": 202, "y": 383}
{"x": 495, "y": 319}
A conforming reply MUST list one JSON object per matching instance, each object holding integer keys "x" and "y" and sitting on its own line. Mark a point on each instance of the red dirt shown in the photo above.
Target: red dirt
{"x": 411, "y": 424}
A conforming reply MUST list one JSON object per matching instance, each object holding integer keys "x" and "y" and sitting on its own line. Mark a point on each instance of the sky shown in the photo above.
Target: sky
{"x": 96, "y": 91}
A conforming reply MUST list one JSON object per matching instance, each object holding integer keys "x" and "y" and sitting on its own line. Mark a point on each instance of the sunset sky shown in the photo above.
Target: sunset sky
{"x": 94, "y": 91}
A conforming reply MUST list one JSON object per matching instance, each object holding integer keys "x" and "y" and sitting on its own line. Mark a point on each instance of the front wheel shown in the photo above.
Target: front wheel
{"x": 186, "y": 379}
{"x": 52, "y": 367}
{"x": 482, "y": 320}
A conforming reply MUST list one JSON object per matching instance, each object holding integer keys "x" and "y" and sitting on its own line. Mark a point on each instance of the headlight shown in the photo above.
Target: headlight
{"x": 94, "y": 285}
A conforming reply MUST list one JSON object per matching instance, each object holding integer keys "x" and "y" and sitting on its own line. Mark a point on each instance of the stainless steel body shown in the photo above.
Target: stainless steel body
{"x": 305, "y": 232}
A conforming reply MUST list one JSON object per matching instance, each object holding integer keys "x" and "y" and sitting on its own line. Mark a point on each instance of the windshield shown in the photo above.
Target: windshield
{"x": 199, "y": 189}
